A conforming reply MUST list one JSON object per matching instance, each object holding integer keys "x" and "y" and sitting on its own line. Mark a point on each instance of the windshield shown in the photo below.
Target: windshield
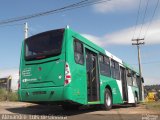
{"x": 44, "y": 45}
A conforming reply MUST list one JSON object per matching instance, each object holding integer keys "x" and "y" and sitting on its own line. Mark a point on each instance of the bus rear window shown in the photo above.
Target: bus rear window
{"x": 44, "y": 45}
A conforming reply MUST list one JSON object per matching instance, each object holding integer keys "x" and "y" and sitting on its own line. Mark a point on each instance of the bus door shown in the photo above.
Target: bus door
{"x": 92, "y": 76}
{"x": 124, "y": 84}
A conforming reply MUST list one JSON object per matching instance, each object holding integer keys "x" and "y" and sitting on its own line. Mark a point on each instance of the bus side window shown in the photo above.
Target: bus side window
{"x": 78, "y": 52}
{"x": 104, "y": 65}
{"x": 115, "y": 70}
{"x": 134, "y": 79}
{"x": 129, "y": 77}
{"x": 107, "y": 64}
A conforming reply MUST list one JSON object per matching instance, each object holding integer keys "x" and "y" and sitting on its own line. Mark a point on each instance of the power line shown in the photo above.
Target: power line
{"x": 80, "y": 4}
{"x": 152, "y": 18}
{"x": 143, "y": 18}
{"x": 38, "y": 14}
{"x": 137, "y": 18}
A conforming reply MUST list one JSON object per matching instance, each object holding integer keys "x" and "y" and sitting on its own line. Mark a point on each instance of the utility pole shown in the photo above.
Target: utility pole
{"x": 138, "y": 43}
{"x": 25, "y": 30}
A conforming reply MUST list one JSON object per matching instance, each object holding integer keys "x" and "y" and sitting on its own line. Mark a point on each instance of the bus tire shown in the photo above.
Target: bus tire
{"x": 136, "y": 101}
{"x": 107, "y": 100}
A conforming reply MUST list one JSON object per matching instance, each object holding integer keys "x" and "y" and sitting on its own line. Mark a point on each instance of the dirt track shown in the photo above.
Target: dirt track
{"x": 33, "y": 111}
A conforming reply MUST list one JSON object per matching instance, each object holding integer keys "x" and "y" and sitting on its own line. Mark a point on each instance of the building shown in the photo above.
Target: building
{"x": 10, "y": 78}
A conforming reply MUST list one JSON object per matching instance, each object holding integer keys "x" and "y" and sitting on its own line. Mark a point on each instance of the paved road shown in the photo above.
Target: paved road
{"x": 19, "y": 110}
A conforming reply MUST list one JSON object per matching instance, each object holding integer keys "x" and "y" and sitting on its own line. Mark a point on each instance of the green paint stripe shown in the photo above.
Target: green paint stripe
{"x": 94, "y": 102}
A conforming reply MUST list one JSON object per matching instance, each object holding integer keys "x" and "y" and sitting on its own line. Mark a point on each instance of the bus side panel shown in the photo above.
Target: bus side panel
{"x": 132, "y": 91}
{"x": 115, "y": 90}
{"x": 130, "y": 95}
{"x": 76, "y": 90}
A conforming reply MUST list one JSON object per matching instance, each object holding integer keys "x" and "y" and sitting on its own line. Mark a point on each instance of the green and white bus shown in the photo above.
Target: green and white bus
{"x": 61, "y": 66}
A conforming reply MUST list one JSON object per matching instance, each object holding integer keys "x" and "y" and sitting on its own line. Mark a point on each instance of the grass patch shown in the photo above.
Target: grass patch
{"x": 3, "y": 95}
{"x": 10, "y": 96}
{"x": 13, "y": 96}
{"x": 153, "y": 105}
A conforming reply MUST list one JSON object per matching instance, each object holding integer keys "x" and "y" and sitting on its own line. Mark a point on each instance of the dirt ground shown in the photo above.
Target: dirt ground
{"x": 22, "y": 110}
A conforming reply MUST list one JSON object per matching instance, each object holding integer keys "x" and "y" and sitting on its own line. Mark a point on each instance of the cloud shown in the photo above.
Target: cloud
{"x": 124, "y": 36}
{"x": 97, "y": 40}
{"x": 115, "y": 5}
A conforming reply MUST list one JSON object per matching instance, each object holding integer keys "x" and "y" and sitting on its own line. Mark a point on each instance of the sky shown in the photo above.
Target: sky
{"x": 111, "y": 25}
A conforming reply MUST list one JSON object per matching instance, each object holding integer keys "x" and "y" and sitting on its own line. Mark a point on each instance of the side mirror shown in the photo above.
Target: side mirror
{"x": 142, "y": 80}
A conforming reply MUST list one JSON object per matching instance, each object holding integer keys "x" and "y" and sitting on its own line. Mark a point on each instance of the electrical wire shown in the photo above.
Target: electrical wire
{"x": 137, "y": 18}
{"x": 151, "y": 18}
{"x": 150, "y": 22}
{"x": 80, "y": 4}
{"x": 143, "y": 18}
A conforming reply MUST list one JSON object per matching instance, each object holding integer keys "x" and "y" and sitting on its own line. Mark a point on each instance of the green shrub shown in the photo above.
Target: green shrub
{"x": 13, "y": 96}
{"x": 10, "y": 96}
{"x": 153, "y": 105}
{"x": 3, "y": 94}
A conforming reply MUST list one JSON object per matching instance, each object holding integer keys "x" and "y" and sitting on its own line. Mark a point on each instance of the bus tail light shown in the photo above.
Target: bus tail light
{"x": 18, "y": 84}
{"x": 19, "y": 80}
{"x": 67, "y": 75}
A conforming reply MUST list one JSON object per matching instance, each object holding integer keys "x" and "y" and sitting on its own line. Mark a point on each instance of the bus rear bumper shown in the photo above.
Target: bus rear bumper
{"x": 41, "y": 94}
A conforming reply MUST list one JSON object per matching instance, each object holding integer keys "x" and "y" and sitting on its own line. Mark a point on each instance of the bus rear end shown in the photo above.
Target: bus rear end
{"x": 42, "y": 67}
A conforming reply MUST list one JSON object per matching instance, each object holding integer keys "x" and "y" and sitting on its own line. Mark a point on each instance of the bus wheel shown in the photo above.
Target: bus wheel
{"x": 136, "y": 101}
{"x": 107, "y": 100}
